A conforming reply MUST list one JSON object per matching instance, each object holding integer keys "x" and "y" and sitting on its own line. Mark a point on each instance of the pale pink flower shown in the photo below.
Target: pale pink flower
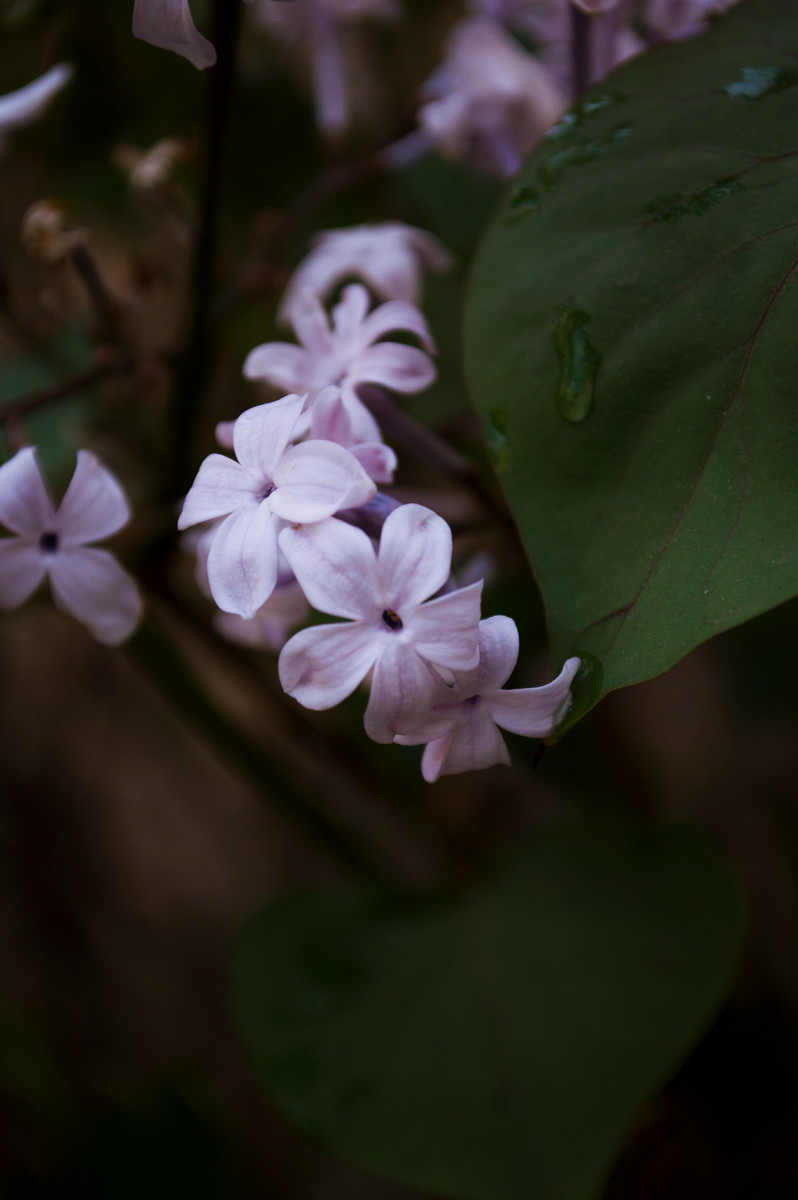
{"x": 356, "y": 430}
{"x": 51, "y": 542}
{"x": 683, "y": 18}
{"x": 462, "y": 729}
{"x": 491, "y": 101}
{"x": 271, "y": 481}
{"x": 393, "y": 630}
{"x": 387, "y": 256}
{"x": 28, "y": 103}
{"x": 269, "y": 629}
{"x": 349, "y": 353}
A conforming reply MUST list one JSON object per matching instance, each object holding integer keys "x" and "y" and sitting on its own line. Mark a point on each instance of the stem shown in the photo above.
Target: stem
{"x": 580, "y": 51}
{"x": 198, "y": 354}
{"x": 156, "y": 655}
{"x": 62, "y": 388}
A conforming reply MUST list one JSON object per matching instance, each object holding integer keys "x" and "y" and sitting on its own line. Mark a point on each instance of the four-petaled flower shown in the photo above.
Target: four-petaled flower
{"x": 349, "y": 354}
{"x": 270, "y": 481}
{"x": 462, "y": 728}
{"x": 87, "y": 583}
{"x": 392, "y": 628}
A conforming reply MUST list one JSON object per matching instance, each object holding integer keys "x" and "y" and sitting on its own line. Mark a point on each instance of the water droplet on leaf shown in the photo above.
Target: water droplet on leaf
{"x": 757, "y": 82}
{"x": 579, "y": 361}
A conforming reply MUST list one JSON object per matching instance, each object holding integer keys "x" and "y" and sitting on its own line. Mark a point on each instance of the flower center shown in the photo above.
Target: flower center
{"x": 392, "y": 619}
{"x": 265, "y": 491}
{"x": 48, "y": 542}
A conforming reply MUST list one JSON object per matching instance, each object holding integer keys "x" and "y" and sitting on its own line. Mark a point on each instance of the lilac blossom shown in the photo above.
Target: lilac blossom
{"x": 169, "y": 25}
{"x": 393, "y": 629}
{"x": 356, "y": 430}
{"x": 28, "y": 103}
{"x": 51, "y": 542}
{"x": 272, "y": 481}
{"x": 462, "y": 729}
{"x": 349, "y": 353}
{"x": 387, "y": 256}
{"x": 683, "y": 18}
{"x": 490, "y": 102}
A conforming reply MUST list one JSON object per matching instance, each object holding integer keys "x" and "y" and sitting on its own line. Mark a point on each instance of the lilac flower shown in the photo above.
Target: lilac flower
{"x": 270, "y": 481}
{"x": 28, "y": 103}
{"x": 357, "y": 430}
{"x": 388, "y": 257}
{"x": 393, "y": 629}
{"x": 285, "y": 609}
{"x": 349, "y": 354}
{"x": 87, "y": 583}
{"x": 462, "y": 729}
{"x": 169, "y": 24}
{"x": 683, "y": 18}
{"x": 490, "y": 102}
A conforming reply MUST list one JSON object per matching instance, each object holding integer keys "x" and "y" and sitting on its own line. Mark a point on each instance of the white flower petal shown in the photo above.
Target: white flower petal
{"x": 261, "y": 434}
{"x": 281, "y": 364}
{"x": 400, "y": 368}
{"x": 28, "y": 103}
{"x": 310, "y": 323}
{"x": 348, "y": 316}
{"x": 94, "y": 506}
{"x": 403, "y": 688}
{"x": 415, "y": 555}
{"x": 333, "y": 420}
{"x": 534, "y": 712}
{"x": 90, "y": 585}
{"x": 475, "y": 742}
{"x": 432, "y": 758}
{"x": 168, "y": 24}
{"x": 376, "y": 459}
{"x": 498, "y": 654}
{"x": 316, "y": 479}
{"x": 396, "y": 314}
{"x": 446, "y": 630}
{"x": 25, "y": 504}
{"x": 323, "y": 665}
{"x": 336, "y": 568}
{"x": 242, "y": 560}
{"x": 222, "y": 486}
{"x": 22, "y": 568}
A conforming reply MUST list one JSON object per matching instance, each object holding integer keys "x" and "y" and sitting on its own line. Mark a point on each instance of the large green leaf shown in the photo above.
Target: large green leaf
{"x": 631, "y": 346}
{"x": 493, "y": 1047}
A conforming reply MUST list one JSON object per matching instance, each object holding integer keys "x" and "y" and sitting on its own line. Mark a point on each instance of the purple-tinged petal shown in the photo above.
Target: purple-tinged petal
{"x": 90, "y": 585}
{"x": 498, "y": 654}
{"x": 261, "y": 434}
{"x": 348, "y": 316}
{"x": 323, "y": 665}
{"x": 403, "y": 689}
{"x": 475, "y": 742}
{"x": 400, "y": 368}
{"x": 222, "y": 486}
{"x": 317, "y": 479}
{"x": 395, "y": 315}
{"x": 25, "y": 504}
{"x": 415, "y": 555}
{"x": 242, "y": 560}
{"x": 224, "y": 434}
{"x": 376, "y": 459}
{"x": 28, "y": 103}
{"x": 333, "y": 420}
{"x": 310, "y": 324}
{"x": 438, "y": 721}
{"x": 169, "y": 25}
{"x": 281, "y": 364}
{"x": 22, "y": 568}
{"x": 446, "y": 630}
{"x": 432, "y": 758}
{"x": 94, "y": 506}
{"x": 534, "y": 712}
{"x": 336, "y": 568}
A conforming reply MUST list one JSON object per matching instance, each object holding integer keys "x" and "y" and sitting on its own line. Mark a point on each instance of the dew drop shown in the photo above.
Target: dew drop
{"x": 579, "y": 361}
{"x": 757, "y": 82}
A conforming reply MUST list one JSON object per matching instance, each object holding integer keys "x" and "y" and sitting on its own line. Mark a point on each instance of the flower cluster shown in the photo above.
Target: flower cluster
{"x": 295, "y": 520}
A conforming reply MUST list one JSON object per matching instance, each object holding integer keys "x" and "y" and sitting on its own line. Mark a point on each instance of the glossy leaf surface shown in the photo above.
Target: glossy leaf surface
{"x": 494, "y": 1047}
{"x": 631, "y": 347}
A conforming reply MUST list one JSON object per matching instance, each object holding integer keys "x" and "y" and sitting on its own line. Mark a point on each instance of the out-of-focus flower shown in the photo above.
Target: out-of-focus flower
{"x": 321, "y": 32}
{"x": 151, "y": 168}
{"x": 392, "y": 627}
{"x": 169, "y": 25}
{"x": 683, "y": 18}
{"x": 388, "y": 257}
{"x": 358, "y": 432}
{"x": 462, "y": 729}
{"x": 491, "y": 101}
{"x": 271, "y": 481}
{"x": 269, "y": 629}
{"x": 28, "y": 103}
{"x": 349, "y": 354}
{"x": 44, "y": 234}
{"x": 87, "y": 583}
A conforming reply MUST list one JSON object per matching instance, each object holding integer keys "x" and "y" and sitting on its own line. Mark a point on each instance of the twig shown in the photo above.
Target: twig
{"x": 580, "y": 50}
{"x": 62, "y": 388}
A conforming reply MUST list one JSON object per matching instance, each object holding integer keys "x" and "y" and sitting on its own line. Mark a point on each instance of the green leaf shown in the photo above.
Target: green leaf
{"x": 494, "y": 1047}
{"x": 631, "y": 346}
